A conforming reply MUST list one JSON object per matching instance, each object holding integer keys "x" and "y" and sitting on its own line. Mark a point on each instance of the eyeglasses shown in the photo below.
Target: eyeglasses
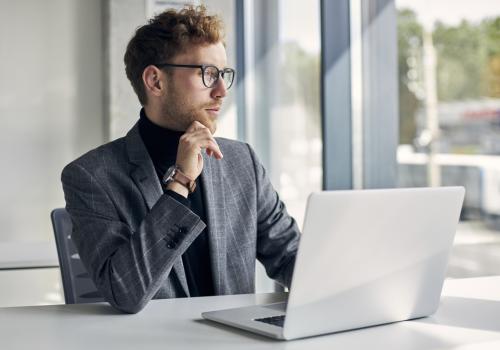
{"x": 209, "y": 74}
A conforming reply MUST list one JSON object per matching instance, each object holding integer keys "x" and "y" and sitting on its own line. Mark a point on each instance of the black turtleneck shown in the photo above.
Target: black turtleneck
{"x": 162, "y": 147}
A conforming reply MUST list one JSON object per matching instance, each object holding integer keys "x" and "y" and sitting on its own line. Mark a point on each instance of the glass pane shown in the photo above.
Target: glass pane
{"x": 282, "y": 108}
{"x": 296, "y": 121}
{"x": 449, "y": 104}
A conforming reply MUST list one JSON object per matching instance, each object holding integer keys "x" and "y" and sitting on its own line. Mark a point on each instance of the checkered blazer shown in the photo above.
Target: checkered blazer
{"x": 130, "y": 235}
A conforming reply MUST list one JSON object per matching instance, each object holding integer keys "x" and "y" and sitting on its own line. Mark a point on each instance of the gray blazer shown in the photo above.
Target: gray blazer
{"x": 130, "y": 236}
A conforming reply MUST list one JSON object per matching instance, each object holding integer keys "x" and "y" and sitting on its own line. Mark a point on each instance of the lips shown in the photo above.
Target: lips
{"x": 213, "y": 111}
{"x": 215, "y": 108}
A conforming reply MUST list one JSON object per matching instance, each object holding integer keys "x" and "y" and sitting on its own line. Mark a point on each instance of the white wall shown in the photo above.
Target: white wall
{"x": 50, "y": 106}
{"x": 51, "y": 111}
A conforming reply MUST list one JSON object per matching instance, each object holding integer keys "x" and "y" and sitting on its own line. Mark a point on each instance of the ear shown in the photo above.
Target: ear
{"x": 152, "y": 78}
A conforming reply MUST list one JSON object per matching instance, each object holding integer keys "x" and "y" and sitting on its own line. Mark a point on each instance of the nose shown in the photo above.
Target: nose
{"x": 219, "y": 90}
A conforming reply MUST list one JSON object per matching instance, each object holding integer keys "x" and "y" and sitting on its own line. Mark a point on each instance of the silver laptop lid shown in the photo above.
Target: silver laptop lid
{"x": 371, "y": 257}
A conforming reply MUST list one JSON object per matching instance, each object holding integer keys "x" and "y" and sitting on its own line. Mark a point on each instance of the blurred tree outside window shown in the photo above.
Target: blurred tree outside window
{"x": 454, "y": 49}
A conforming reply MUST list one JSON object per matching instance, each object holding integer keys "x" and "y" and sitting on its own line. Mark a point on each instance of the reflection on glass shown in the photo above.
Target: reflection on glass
{"x": 449, "y": 100}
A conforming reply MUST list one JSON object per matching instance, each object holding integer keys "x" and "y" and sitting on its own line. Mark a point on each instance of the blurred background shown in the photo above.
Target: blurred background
{"x": 345, "y": 94}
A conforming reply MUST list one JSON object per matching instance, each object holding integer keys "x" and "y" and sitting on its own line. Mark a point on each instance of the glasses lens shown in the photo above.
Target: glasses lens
{"x": 210, "y": 76}
{"x": 228, "y": 77}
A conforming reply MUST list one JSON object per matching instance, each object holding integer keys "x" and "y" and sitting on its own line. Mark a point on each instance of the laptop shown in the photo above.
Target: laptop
{"x": 365, "y": 258}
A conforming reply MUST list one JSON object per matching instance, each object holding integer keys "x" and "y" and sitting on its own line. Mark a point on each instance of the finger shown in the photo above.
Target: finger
{"x": 203, "y": 139}
{"x": 213, "y": 147}
{"x": 193, "y": 139}
{"x": 196, "y": 125}
{"x": 204, "y": 134}
{"x": 201, "y": 133}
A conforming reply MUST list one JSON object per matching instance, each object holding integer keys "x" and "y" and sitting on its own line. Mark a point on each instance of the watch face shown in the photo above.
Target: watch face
{"x": 169, "y": 175}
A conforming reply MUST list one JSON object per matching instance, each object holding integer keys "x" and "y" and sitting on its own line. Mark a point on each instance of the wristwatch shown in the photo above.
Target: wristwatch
{"x": 175, "y": 174}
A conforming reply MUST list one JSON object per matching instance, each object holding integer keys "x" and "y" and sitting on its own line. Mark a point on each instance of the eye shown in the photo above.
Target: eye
{"x": 213, "y": 73}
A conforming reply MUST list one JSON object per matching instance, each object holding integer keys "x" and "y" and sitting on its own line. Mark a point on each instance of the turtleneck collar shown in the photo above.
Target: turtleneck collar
{"x": 161, "y": 143}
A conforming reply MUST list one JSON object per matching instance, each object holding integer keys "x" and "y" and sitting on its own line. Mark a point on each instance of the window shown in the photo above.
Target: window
{"x": 449, "y": 108}
{"x": 285, "y": 124}
{"x": 296, "y": 143}
{"x": 281, "y": 104}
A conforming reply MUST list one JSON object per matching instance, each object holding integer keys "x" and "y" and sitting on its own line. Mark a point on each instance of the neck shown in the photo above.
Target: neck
{"x": 157, "y": 117}
{"x": 161, "y": 143}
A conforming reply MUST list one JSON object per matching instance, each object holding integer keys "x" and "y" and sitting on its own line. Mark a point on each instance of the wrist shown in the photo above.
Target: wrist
{"x": 175, "y": 175}
{"x": 178, "y": 188}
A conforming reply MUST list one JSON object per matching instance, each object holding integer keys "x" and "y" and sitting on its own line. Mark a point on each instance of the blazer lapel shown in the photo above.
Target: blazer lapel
{"x": 213, "y": 190}
{"x": 144, "y": 176}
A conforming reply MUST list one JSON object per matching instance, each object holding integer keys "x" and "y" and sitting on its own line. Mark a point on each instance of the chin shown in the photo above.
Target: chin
{"x": 213, "y": 128}
{"x": 210, "y": 124}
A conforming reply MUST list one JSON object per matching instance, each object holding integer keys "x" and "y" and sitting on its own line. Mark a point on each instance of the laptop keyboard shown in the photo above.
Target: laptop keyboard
{"x": 274, "y": 320}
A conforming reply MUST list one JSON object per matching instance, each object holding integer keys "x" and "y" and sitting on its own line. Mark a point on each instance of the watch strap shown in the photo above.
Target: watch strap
{"x": 184, "y": 180}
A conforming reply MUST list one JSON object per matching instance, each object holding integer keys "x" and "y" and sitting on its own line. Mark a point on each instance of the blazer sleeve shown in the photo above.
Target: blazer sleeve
{"x": 277, "y": 232}
{"x": 127, "y": 266}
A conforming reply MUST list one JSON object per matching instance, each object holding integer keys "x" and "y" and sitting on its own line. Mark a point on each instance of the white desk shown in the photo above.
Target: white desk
{"x": 468, "y": 318}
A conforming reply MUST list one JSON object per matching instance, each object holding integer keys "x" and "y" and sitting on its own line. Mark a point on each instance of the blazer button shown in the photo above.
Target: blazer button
{"x": 183, "y": 230}
{"x": 171, "y": 245}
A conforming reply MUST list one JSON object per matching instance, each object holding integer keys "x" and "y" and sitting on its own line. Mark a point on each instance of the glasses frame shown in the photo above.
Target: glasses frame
{"x": 203, "y": 67}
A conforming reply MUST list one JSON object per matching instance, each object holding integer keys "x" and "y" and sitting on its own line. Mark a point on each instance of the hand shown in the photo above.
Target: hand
{"x": 191, "y": 144}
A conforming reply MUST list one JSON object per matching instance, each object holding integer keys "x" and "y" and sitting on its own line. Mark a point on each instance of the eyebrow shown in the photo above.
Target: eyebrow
{"x": 215, "y": 65}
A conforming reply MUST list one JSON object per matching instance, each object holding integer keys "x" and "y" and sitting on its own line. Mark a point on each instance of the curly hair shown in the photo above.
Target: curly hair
{"x": 167, "y": 35}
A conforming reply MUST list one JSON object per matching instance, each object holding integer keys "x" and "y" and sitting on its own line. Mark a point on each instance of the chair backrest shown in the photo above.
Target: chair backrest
{"x": 78, "y": 286}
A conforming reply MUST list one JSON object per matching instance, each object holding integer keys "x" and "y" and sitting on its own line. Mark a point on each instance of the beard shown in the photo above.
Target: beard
{"x": 181, "y": 113}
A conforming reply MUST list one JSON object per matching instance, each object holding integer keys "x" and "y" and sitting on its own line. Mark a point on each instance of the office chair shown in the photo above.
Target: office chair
{"x": 78, "y": 286}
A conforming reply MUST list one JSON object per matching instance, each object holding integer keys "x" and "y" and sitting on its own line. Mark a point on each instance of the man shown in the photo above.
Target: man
{"x": 168, "y": 210}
